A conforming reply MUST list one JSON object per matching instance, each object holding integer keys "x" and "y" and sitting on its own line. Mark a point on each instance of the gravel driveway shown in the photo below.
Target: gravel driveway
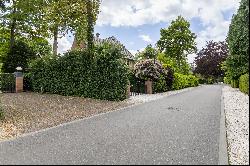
{"x": 28, "y": 112}
{"x": 179, "y": 129}
{"x": 237, "y": 122}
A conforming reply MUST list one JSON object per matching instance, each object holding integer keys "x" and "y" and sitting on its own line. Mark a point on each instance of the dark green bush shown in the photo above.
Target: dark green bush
{"x": 7, "y": 82}
{"x": 160, "y": 85}
{"x": 20, "y": 55}
{"x": 165, "y": 81}
{"x": 184, "y": 81}
{"x": 77, "y": 74}
{"x": 244, "y": 83}
{"x": 27, "y": 82}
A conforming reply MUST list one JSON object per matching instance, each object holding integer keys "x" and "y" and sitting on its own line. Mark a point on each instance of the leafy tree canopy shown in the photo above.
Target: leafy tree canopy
{"x": 20, "y": 55}
{"x": 177, "y": 41}
{"x": 148, "y": 53}
{"x": 237, "y": 62}
{"x": 179, "y": 67}
{"x": 209, "y": 59}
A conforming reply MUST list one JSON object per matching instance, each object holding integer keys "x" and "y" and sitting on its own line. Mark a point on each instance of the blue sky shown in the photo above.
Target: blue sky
{"x": 137, "y": 23}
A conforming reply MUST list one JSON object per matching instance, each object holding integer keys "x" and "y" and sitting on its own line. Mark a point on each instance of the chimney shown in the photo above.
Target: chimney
{"x": 97, "y": 35}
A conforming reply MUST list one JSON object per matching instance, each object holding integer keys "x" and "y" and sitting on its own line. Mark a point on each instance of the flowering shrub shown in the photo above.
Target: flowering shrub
{"x": 152, "y": 70}
{"x": 148, "y": 70}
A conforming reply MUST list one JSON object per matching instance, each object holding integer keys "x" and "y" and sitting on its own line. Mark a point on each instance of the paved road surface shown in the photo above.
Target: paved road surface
{"x": 179, "y": 129}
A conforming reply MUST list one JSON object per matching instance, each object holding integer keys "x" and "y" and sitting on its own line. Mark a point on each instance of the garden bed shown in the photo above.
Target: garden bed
{"x": 29, "y": 112}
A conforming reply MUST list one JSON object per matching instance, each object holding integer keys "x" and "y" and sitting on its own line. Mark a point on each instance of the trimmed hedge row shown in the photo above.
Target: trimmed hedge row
{"x": 77, "y": 74}
{"x": 244, "y": 83}
{"x": 184, "y": 81}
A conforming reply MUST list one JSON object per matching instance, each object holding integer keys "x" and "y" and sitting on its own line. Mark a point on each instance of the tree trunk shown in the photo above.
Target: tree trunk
{"x": 13, "y": 28}
{"x": 12, "y": 34}
{"x": 55, "y": 43}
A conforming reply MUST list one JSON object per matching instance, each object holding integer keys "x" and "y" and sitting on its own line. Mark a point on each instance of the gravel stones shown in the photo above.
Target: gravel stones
{"x": 29, "y": 112}
{"x": 237, "y": 123}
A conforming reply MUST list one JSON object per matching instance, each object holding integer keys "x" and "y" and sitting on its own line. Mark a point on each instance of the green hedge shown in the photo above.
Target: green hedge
{"x": 7, "y": 82}
{"x": 105, "y": 76}
{"x": 184, "y": 81}
{"x": 160, "y": 85}
{"x": 165, "y": 82}
{"x": 244, "y": 83}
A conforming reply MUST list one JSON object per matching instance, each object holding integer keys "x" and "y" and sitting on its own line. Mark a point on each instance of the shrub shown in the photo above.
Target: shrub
{"x": 148, "y": 70}
{"x": 226, "y": 80}
{"x": 165, "y": 82}
{"x": 152, "y": 70}
{"x": 183, "y": 81}
{"x": 160, "y": 85}
{"x": 7, "y": 82}
{"x": 20, "y": 55}
{"x": 27, "y": 82}
{"x": 235, "y": 83}
{"x": 77, "y": 74}
{"x": 244, "y": 83}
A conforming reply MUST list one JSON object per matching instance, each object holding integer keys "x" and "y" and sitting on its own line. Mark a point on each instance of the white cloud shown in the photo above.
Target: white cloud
{"x": 137, "y": 12}
{"x": 133, "y": 52}
{"x": 134, "y": 13}
{"x": 146, "y": 38}
{"x": 64, "y": 44}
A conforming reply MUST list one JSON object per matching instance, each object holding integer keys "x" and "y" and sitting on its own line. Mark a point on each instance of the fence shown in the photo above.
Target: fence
{"x": 137, "y": 87}
{"x": 7, "y": 83}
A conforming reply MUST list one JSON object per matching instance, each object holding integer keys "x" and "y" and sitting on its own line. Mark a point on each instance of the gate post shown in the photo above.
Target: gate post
{"x": 128, "y": 91}
{"x": 149, "y": 89}
{"x": 19, "y": 80}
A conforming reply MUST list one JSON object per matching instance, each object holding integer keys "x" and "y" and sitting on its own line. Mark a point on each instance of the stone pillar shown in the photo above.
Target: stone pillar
{"x": 19, "y": 82}
{"x": 149, "y": 88}
{"x": 128, "y": 91}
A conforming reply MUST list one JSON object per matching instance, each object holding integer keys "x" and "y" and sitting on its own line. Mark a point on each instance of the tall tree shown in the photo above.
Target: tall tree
{"x": 22, "y": 18}
{"x": 209, "y": 59}
{"x": 85, "y": 32}
{"x": 177, "y": 41}
{"x": 237, "y": 62}
{"x": 148, "y": 53}
{"x": 74, "y": 16}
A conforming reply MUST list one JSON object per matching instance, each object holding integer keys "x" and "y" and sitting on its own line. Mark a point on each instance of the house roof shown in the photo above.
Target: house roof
{"x": 111, "y": 40}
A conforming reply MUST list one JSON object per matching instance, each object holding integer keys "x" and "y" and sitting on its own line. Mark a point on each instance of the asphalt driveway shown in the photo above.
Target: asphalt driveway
{"x": 179, "y": 129}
